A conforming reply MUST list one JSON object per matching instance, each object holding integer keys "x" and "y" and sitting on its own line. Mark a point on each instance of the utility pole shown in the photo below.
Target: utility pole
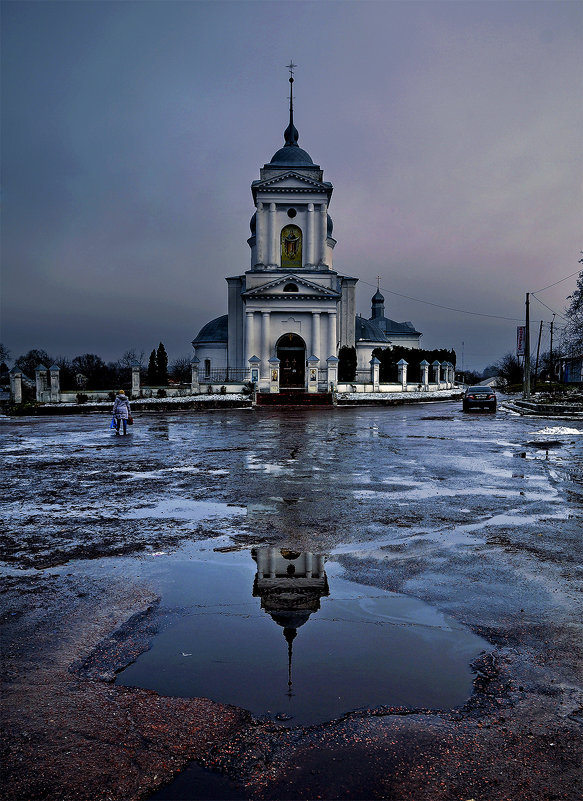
{"x": 526, "y": 388}
{"x": 540, "y": 330}
{"x": 552, "y": 375}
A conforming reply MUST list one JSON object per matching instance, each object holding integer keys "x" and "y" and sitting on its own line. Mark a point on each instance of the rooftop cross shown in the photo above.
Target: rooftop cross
{"x": 291, "y": 135}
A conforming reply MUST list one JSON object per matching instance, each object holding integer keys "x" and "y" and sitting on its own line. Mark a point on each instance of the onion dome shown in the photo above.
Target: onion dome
{"x": 291, "y": 154}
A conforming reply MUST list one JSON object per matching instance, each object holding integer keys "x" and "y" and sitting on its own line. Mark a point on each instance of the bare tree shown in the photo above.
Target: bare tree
{"x": 180, "y": 369}
{"x": 130, "y": 357}
{"x": 573, "y": 333}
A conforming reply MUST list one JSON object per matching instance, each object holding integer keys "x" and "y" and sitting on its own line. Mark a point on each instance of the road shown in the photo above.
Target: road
{"x": 477, "y": 515}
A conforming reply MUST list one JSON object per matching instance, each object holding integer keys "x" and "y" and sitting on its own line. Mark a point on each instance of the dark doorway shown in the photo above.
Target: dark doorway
{"x": 291, "y": 352}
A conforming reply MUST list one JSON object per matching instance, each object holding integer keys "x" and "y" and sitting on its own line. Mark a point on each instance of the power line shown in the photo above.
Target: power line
{"x": 560, "y": 281}
{"x": 447, "y": 308}
{"x": 548, "y": 307}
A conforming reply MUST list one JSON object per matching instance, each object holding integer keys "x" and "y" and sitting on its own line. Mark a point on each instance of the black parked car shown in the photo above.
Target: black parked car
{"x": 479, "y": 398}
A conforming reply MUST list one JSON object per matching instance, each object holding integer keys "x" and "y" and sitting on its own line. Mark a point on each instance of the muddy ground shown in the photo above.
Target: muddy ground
{"x": 479, "y": 515}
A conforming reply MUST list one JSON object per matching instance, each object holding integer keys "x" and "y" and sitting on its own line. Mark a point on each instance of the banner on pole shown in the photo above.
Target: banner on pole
{"x": 520, "y": 336}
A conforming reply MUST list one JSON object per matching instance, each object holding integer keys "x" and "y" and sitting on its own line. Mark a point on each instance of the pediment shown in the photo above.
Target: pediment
{"x": 306, "y": 289}
{"x": 290, "y": 180}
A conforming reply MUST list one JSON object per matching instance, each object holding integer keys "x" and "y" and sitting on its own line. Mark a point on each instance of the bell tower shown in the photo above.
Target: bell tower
{"x": 291, "y": 229}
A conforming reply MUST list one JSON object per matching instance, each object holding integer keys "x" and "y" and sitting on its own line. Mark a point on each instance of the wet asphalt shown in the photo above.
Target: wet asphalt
{"x": 478, "y": 515}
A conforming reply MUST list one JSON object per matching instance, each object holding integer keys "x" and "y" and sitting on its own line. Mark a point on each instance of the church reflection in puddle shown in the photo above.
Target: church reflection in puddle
{"x": 345, "y": 646}
{"x": 290, "y": 586}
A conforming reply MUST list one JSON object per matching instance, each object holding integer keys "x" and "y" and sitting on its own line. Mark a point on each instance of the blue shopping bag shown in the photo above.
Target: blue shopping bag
{"x": 112, "y": 424}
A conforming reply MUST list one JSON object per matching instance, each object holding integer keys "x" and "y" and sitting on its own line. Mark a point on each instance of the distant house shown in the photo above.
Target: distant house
{"x": 571, "y": 369}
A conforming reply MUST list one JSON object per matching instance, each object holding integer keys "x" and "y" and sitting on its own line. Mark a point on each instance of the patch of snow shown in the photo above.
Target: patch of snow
{"x": 442, "y": 393}
{"x": 557, "y": 431}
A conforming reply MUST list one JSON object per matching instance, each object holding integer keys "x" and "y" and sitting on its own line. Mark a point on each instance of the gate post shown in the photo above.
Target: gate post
{"x": 313, "y": 362}
{"x": 436, "y": 365}
{"x": 375, "y": 367}
{"x": 424, "y": 365}
{"x": 273, "y": 375}
{"x": 402, "y": 365}
{"x": 40, "y": 375}
{"x": 16, "y": 385}
{"x": 135, "y": 393}
{"x": 332, "y": 363}
{"x": 55, "y": 383}
{"x": 194, "y": 383}
{"x": 445, "y": 372}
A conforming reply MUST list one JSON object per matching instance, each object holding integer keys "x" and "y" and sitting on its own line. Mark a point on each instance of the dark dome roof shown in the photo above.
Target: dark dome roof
{"x": 253, "y": 224}
{"x": 366, "y": 329}
{"x": 292, "y": 156}
{"x": 329, "y": 226}
{"x": 215, "y": 331}
{"x": 290, "y": 619}
{"x": 377, "y": 296}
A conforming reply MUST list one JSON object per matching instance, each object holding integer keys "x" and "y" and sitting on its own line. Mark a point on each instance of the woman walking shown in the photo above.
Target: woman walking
{"x": 121, "y": 411}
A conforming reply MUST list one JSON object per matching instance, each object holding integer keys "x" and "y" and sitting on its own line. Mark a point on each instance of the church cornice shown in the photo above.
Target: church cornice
{"x": 315, "y": 291}
{"x": 273, "y": 185}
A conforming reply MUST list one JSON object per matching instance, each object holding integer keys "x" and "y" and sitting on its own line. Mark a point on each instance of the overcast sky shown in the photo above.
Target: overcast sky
{"x": 131, "y": 132}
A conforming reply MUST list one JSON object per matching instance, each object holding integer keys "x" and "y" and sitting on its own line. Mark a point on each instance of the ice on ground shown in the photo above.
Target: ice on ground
{"x": 557, "y": 431}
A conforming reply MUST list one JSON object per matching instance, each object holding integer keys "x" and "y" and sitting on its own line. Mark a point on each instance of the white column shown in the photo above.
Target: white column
{"x": 55, "y": 384}
{"x": 331, "y": 334}
{"x": 311, "y": 235}
{"x": 316, "y": 339}
{"x": 265, "y": 343}
{"x": 135, "y": 381}
{"x": 272, "y": 258}
{"x": 271, "y": 562}
{"x": 249, "y": 336}
{"x": 260, "y": 234}
{"x": 16, "y": 385}
{"x": 322, "y": 234}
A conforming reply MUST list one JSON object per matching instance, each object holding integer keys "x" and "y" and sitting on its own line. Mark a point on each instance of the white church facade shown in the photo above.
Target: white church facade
{"x": 291, "y": 312}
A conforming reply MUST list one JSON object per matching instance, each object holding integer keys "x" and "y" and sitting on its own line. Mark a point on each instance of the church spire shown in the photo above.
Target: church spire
{"x": 291, "y": 134}
{"x": 378, "y": 302}
{"x": 290, "y": 635}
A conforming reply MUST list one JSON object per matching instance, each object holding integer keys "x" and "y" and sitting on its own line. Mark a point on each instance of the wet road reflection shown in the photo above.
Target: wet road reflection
{"x": 294, "y": 644}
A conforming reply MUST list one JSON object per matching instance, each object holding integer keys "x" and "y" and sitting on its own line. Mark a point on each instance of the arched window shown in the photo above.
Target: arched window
{"x": 207, "y": 368}
{"x": 290, "y": 288}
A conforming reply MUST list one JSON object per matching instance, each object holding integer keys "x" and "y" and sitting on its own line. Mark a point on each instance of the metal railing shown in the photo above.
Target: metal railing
{"x": 224, "y": 375}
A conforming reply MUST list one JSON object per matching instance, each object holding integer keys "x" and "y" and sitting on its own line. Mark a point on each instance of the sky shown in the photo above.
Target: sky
{"x": 131, "y": 133}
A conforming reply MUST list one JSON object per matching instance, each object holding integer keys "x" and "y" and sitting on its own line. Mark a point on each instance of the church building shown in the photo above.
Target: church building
{"x": 291, "y": 309}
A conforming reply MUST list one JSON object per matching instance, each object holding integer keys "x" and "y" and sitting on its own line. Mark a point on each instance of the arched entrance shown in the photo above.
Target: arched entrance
{"x": 291, "y": 352}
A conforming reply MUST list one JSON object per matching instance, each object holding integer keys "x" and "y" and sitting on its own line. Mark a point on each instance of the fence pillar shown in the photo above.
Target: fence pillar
{"x": 41, "y": 377}
{"x": 16, "y": 385}
{"x": 375, "y": 366}
{"x": 255, "y": 370}
{"x": 313, "y": 362}
{"x": 424, "y": 365}
{"x": 273, "y": 375}
{"x": 332, "y": 363}
{"x": 194, "y": 382}
{"x": 444, "y": 373}
{"x": 55, "y": 372}
{"x": 436, "y": 367}
{"x": 135, "y": 393}
{"x": 402, "y": 365}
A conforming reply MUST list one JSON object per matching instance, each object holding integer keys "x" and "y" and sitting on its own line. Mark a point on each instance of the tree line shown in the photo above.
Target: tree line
{"x": 90, "y": 371}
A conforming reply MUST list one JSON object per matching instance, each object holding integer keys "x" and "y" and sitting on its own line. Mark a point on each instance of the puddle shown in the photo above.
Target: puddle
{"x": 278, "y": 633}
